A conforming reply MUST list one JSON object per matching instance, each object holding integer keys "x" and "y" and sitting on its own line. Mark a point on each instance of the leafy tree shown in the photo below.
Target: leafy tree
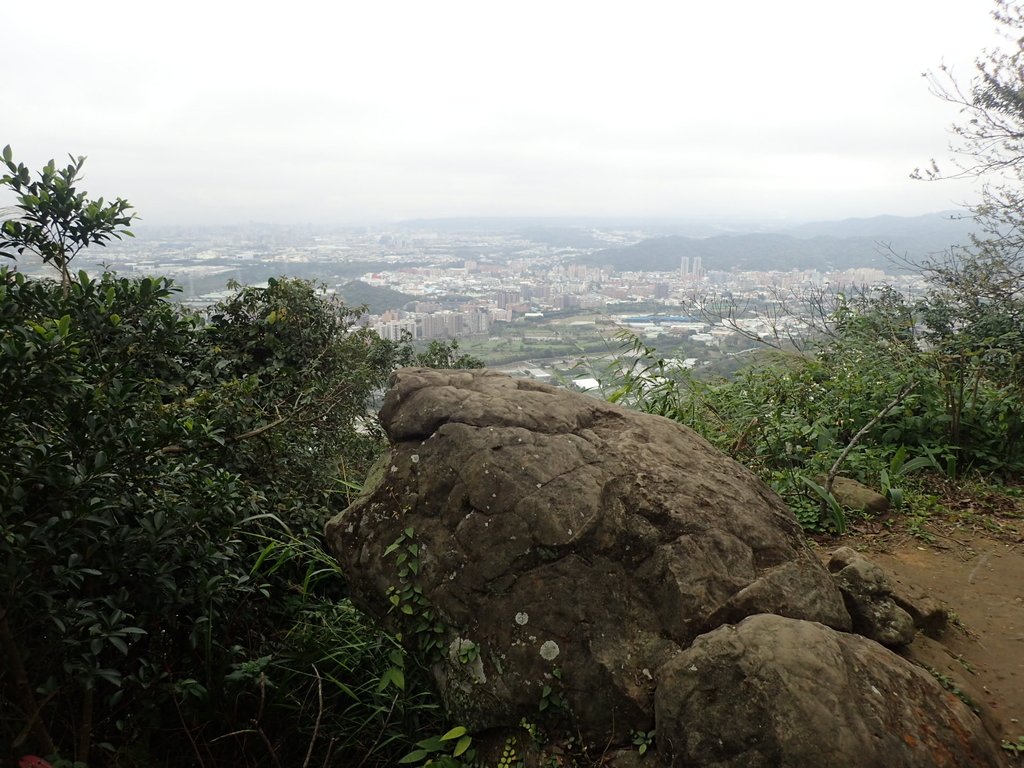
{"x": 164, "y": 597}
{"x": 440, "y": 354}
{"x": 295, "y": 370}
{"x": 53, "y": 219}
{"x": 115, "y": 557}
{"x": 974, "y": 312}
{"x": 161, "y": 500}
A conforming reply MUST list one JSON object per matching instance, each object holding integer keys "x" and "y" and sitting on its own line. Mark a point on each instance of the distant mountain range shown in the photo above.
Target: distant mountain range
{"x": 847, "y": 244}
{"x": 934, "y": 231}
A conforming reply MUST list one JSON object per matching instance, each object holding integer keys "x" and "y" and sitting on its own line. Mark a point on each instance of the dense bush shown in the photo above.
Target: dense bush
{"x": 164, "y": 597}
{"x": 151, "y": 460}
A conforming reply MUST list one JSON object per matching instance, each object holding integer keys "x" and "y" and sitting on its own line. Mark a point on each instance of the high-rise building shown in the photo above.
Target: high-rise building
{"x": 441, "y": 325}
{"x": 508, "y": 298}
{"x": 478, "y": 321}
{"x": 394, "y": 330}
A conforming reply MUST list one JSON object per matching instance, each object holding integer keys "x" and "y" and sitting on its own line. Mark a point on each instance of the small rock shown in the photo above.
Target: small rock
{"x": 868, "y": 596}
{"x": 630, "y": 758}
{"x": 864, "y": 584}
{"x": 928, "y": 613}
{"x": 853, "y": 495}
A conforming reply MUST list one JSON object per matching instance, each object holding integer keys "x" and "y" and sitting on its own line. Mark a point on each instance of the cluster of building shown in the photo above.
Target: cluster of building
{"x": 461, "y": 283}
{"x": 439, "y": 324}
{"x": 474, "y": 295}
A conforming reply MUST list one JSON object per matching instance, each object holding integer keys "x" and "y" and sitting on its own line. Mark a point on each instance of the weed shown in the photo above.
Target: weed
{"x": 509, "y": 756}
{"x": 965, "y": 664}
{"x": 950, "y": 685}
{"x": 452, "y": 750}
{"x": 468, "y": 652}
{"x": 643, "y": 740}
{"x": 1014, "y": 746}
{"x": 421, "y": 620}
{"x": 552, "y": 697}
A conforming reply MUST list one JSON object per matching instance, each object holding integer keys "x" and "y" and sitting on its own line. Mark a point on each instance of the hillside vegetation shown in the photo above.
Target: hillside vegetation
{"x": 883, "y": 243}
{"x": 887, "y": 389}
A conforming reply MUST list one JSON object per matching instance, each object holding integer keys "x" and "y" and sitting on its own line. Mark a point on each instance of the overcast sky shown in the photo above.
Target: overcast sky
{"x": 345, "y": 112}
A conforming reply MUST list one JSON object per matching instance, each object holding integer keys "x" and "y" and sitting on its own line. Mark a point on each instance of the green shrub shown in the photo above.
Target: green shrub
{"x": 162, "y": 494}
{"x": 876, "y": 386}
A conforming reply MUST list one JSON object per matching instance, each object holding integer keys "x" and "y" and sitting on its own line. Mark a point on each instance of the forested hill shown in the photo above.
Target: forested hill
{"x": 375, "y": 298}
{"x": 828, "y": 245}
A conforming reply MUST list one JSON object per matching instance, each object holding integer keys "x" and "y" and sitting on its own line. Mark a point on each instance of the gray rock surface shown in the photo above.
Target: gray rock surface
{"x": 577, "y": 545}
{"x": 773, "y": 692}
{"x": 927, "y": 613}
{"x": 869, "y": 599}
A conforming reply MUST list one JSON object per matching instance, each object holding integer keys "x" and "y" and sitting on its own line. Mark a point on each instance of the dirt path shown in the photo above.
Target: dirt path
{"x": 980, "y": 579}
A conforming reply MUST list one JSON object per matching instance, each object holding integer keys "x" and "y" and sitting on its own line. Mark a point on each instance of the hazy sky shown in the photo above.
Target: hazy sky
{"x": 344, "y": 112}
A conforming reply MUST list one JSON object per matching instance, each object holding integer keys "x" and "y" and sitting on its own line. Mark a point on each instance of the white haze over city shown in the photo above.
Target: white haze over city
{"x": 348, "y": 113}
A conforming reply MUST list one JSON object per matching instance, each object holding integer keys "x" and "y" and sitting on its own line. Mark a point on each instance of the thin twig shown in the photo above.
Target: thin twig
{"x": 188, "y": 732}
{"x": 326, "y": 404}
{"x": 269, "y": 745}
{"x": 376, "y": 741}
{"x": 31, "y": 724}
{"x": 259, "y": 430}
{"x": 319, "y": 715}
{"x": 240, "y": 732}
{"x": 84, "y": 739}
{"x": 19, "y": 677}
{"x": 900, "y": 396}
{"x": 263, "y": 697}
{"x": 330, "y": 750}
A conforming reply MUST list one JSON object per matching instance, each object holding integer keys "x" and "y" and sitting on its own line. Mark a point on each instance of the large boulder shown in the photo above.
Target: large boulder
{"x": 551, "y": 551}
{"x": 773, "y": 692}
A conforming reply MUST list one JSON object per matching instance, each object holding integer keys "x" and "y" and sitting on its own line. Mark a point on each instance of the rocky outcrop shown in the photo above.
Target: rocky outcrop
{"x": 772, "y": 692}
{"x": 552, "y": 554}
{"x": 576, "y": 546}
